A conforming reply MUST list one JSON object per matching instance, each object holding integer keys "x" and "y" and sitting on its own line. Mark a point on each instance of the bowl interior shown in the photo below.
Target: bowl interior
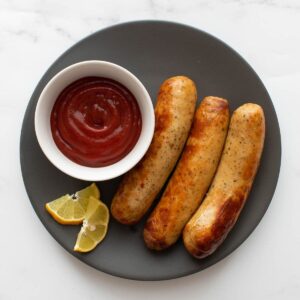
{"x": 48, "y": 98}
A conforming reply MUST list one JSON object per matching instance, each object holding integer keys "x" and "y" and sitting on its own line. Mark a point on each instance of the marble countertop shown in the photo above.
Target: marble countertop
{"x": 34, "y": 33}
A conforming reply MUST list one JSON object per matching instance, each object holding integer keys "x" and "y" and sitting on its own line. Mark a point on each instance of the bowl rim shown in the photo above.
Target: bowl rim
{"x": 119, "y": 170}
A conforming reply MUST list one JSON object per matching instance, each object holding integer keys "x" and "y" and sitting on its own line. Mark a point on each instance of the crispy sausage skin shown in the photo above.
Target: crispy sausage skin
{"x": 192, "y": 176}
{"x": 174, "y": 113}
{"x": 227, "y": 195}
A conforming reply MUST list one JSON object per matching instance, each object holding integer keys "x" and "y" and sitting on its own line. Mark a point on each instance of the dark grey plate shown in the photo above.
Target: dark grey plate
{"x": 153, "y": 51}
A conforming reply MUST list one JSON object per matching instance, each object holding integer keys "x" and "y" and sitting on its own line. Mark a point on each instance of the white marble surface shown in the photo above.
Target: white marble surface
{"x": 33, "y": 33}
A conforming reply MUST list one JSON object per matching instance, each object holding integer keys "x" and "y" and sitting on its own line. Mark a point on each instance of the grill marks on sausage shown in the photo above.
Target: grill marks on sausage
{"x": 163, "y": 114}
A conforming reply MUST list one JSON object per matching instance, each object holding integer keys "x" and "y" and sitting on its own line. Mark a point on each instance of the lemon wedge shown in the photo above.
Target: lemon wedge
{"x": 94, "y": 227}
{"x": 71, "y": 209}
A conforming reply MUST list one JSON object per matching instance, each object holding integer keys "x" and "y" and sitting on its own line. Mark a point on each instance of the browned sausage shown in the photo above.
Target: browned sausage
{"x": 174, "y": 112}
{"x": 192, "y": 176}
{"x": 233, "y": 180}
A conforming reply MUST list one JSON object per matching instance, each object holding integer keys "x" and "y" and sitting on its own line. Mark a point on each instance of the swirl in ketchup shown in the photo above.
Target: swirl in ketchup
{"x": 96, "y": 121}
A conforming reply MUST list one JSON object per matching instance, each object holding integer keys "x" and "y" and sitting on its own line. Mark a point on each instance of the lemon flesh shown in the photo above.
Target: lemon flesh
{"x": 94, "y": 227}
{"x": 71, "y": 209}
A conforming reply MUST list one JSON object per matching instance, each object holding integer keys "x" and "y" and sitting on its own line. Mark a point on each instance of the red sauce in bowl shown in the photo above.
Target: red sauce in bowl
{"x": 96, "y": 121}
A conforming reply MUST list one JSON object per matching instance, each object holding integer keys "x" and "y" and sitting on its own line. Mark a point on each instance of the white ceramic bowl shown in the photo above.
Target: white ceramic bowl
{"x": 49, "y": 96}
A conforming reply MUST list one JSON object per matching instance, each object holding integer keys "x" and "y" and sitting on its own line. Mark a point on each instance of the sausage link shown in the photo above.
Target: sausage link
{"x": 174, "y": 112}
{"x": 192, "y": 176}
{"x": 227, "y": 195}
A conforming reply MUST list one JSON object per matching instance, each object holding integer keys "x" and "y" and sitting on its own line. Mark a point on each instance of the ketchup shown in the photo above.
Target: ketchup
{"x": 96, "y": 121}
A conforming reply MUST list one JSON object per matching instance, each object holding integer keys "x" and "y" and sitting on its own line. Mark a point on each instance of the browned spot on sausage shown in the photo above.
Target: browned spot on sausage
{"x": 120, "y": 214}
{"x": 166, "y": 87}
{"x": 210, "y": 108}
{"x": 164, "y": 215}
{"x": 251, "y": 166}
{"x": 162, "y": 114}
{"x": 152, "y": 237}
{"x": 177, "y": 186}
{"x": 215, "y": 104}
{"x": 162, "y": 122}
{"x": 205, "y": 244}
{"x": 226, "y": 217}
{"x": 189, "y": 151}
{"x": 198, "y": 126}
